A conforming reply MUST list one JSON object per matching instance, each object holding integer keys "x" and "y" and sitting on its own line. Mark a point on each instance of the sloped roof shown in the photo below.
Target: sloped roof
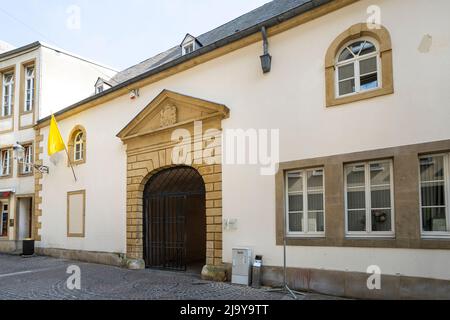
{"x": 248, "y": 20}
{"x": 38, "y": 44}
{"x": 269, "y": 15}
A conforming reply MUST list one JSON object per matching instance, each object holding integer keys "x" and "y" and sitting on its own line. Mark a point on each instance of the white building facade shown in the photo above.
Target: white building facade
{"x": 32, "y": 86}
{"x": 364, "y": 164}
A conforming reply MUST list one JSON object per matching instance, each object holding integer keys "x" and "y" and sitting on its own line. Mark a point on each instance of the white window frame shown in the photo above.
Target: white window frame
{"x": 80, "y": 143}
{"x": 437, "y": 234}
{"x": 29, "y": 104}
{"x": 368, "y": 196}
{"x": 27, "y": 167}
{"x": 2, "y": 212}
{"x": 307, "y": 233}
{"x": 10, "y": 98}
{"x": 357, "y": 75}
{"x": 99, "y": 88}
{"x": 5, "y": 169}
{"x": 188, "y": 44}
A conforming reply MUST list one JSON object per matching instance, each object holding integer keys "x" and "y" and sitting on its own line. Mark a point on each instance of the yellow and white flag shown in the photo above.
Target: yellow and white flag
{"x": 55, "y": 140}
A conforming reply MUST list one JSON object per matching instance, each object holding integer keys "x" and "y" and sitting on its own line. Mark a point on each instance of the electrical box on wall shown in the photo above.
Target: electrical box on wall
{"x": 242, "y": 266}
{"x": 230, "y": 224}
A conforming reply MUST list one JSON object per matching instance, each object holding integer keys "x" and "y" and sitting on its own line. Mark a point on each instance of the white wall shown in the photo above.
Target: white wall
{"x": 67, "y": 79}
{"x": 292, "y": 98}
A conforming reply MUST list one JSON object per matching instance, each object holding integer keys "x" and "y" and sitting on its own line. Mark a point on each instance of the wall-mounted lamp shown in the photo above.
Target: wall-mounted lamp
{"x": 134, "y": 94}
{"x": 19, "y": 155}
{"x": 266, "y": 58}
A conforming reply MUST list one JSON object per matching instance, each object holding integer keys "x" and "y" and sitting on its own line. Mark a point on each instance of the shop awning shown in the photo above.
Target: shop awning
{"x": 5, "y": 193}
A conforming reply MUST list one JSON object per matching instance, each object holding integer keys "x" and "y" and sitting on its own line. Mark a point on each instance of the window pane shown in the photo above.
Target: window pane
{"x": 295, "y": 203}
{"x": 295, "y": 182}
{"x": 357, "y": 220}
{"x": 432, "y": 168}
{"x": 315, "y": 202}
{"x": 357, "y": 47}
{"x": 368, "y": 65}
{"x": 434, "y": 219}
{"x": 433, "y": 194}
{"x": 345, "y": 55}
{"x": 356, "y": 198}
{"x": 381, "y": 197}
{"x": 315, "y": 179}
{"x": 346, "y": 87}
{"x": 4, "y": 223}
{"x": 295, "y": 222}
{"x": 368, "y": 47}
{"x": 381, "y": 220}
{"x": 347, "y": 71}
{"x": 380, "y": 174}
{"x": 369, "y": 81}
{"x": 316, "y": 222}
{"x": 355, "y": 176}
{"x": 79, "y": 137}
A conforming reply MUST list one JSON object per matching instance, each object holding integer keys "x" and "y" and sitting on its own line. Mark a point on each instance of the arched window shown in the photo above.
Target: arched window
{"x": 358, "y": 65}
{"x": 77, "y": 145}
{"x": 78, "y": 154}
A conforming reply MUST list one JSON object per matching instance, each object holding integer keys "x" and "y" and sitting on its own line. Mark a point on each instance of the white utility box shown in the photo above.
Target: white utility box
{"x": 242, "y": 266}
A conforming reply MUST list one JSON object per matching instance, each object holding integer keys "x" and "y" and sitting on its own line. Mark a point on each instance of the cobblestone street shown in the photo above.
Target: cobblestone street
{"x": 44, "y": 278}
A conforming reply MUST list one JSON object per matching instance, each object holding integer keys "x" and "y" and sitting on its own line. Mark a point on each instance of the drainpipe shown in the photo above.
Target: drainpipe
{"x": 266, "y": 58}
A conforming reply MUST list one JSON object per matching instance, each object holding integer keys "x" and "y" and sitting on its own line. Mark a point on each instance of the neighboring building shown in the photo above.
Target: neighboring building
{"x": 364, "y": 176}
{"x": 34, "y": 81}
{"x": 5, "y": 46}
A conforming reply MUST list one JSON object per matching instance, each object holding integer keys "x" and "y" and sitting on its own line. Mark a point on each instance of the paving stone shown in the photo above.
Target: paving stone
{"x": 45, "y": 278}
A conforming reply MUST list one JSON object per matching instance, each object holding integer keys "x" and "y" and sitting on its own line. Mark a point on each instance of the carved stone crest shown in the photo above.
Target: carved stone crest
{"x": 168, "y": 116}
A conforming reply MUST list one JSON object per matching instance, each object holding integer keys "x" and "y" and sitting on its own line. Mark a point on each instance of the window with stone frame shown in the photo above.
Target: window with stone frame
{"x": 305, "y": 203}
{"x": 5, "y": 163}
{"x": 434, "y": 195}
{"x": 7, "y": 94}
{"x": 369, "y": 199}
{"x": 77, "y": 145}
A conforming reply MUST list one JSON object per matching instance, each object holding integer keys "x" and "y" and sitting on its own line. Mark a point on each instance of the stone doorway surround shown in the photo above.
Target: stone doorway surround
{"x": 148, "y": 138}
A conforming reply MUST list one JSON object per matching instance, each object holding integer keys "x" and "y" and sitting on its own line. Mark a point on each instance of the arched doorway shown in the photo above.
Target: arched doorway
{"x": 175, "y": 219}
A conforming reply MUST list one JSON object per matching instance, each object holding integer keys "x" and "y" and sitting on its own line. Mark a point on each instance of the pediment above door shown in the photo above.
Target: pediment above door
{"x": 171, "y": 110}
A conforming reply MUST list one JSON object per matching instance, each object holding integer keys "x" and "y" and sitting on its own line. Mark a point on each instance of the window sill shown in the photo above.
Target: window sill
{"x": 25, "y": 175}
{"x": 6, "y": 117}
{"x": 305, "y": 236}
{"x": 333, "y": 102}
{"x": 22, "y": 113}
{"x": 440, "y": 236}
{"x": 370, "y": 236}
{"x": 77, "y": 163}
{"x": 6, "y": 177}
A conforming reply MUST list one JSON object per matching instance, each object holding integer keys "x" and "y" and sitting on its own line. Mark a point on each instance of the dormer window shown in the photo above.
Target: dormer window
{"x": 188, "y": 48}
{"x": 189, "y": 44}
{"x": 101, "y": 85}
{"x": 99, "y": 89}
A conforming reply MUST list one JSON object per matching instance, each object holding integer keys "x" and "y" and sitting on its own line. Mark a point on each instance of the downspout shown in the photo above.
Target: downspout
{"x": 266, "y": 58}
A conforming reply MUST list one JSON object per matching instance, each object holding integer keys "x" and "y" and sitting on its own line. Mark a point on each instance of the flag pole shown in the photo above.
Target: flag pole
{"x": 70, "y": 162}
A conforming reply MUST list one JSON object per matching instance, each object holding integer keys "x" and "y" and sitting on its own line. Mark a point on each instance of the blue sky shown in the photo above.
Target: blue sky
{"x": 116, "y": 33}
